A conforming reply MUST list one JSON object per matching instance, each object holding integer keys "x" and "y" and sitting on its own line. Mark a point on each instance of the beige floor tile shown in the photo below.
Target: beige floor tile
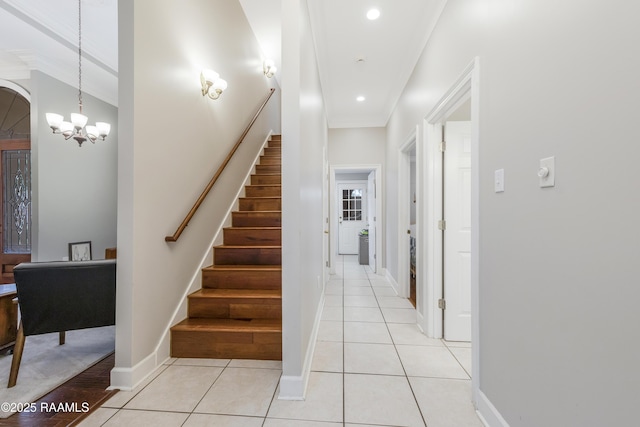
{"x": 394, "y": 302}
{"x": 332, "y": 313}
{"x": 323, "y": 401}
{"x": 178, "y": 388}
{"x": 327, "y": 357}
{"x": 366, "y": 332}
{"x": 127, "y": 418}
{"x": 410, "y": 334}
{"x": 382, "y": 283}
{"x": 122, "y": 397}
{"x": 333, "y": 289}
{"x": 445, "y": 402}
{"x": 98, "y": 417}
{"x": 379, "y": 359}
{"x": 273, "y": 422}
{"x": 260, "y": 364}
{"x": 464, "y": 357}
{"x": 384, "y": 291}
{"x": 380, "y": 400}
{"x": 241, "y": 391}
{"x": 209, "y": 420}
{"x": 360, "y": 301}
{"x": 330, "y": 331}
{"x": 333, "y": 300}
{"x": 427, "y": 361}
{"x": 221, "y": 363}
{"x": 400, "y": 315}
{"x": 359, "y": 283}
{"x": 463, "y": 344}
{"x": 363, "y": 314}
{"x": 358, "y": 291}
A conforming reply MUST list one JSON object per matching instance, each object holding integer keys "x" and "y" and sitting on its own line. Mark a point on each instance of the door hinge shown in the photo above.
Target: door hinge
{"x": 326, "y": 263}
{"x": 442, "y": 304}
{"x": 408, "y": 231}
{"x": 443, "y": 146}
{"x": 442, "y": 225}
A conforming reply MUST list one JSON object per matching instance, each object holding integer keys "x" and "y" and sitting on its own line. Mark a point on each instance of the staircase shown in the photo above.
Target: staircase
{"x": 238, "y": 312}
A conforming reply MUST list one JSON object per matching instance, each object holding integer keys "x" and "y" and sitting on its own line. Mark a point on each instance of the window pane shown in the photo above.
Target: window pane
{"x": 16, "y": 169}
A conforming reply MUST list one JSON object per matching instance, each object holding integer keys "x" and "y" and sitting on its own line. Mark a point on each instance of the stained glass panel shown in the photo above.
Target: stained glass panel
{"x": 16, "y": 169}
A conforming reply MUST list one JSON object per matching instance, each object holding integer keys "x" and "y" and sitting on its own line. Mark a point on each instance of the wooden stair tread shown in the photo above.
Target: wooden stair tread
{"x": 245, "y": 267}
{"x": 248, "y": 246}
{"x": 237, "y": 293}
{"x": 257, "y": 228}
{"x": 229, "y": 325}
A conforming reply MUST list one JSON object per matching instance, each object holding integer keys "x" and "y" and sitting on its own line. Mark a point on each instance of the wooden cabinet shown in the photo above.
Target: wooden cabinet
{"x": 8, "y": 316}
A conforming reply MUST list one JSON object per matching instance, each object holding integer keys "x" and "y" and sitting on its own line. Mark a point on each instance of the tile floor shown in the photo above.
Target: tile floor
{"x": 372, "y": 367}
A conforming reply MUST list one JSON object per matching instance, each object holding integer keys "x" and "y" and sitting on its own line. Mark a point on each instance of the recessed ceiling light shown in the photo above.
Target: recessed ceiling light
{"x": 360, "y": 98}
{"x": 373, "y": 14}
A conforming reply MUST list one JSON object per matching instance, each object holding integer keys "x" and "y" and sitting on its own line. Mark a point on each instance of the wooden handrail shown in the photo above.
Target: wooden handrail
{"x": 206, "y": 191}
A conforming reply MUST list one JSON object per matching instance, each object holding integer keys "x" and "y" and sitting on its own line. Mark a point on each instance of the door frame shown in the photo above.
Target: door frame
{"x": 404, "y": 199}
{"x": 467, "y": 86}
{"x": 333, "y": 224}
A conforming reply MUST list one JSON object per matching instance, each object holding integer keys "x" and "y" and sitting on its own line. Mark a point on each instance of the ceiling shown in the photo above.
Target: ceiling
{"x": 356, "y": 56}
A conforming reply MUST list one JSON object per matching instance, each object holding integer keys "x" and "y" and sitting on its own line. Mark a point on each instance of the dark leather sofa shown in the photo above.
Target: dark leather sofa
{"x": 62, "y": 296}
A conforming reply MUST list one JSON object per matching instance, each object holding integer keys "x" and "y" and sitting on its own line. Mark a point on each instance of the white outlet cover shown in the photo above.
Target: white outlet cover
{"x": 550, "y": 179}
{"x": 498, "y": 181}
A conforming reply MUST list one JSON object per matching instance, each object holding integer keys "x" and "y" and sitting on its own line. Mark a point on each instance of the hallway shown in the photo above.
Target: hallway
{"x": 372, "y": 367}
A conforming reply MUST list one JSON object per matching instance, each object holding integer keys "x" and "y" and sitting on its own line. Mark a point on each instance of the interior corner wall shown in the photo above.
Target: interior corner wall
{"x": 74, "y": 189}
{"x": 304, "y": 138}
{"x": 558, "y": 269}
{"x": 173, "y": 140}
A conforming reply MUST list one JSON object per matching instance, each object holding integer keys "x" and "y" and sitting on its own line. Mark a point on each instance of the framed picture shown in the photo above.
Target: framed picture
{"x": 80, "y": 251}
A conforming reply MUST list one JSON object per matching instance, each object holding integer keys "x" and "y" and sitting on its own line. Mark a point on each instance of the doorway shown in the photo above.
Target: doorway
{"x": 15, "y": 179}
{"x": 346, "y": 177}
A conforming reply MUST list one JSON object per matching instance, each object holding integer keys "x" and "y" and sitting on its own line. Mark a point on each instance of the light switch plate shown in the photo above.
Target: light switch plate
{"x": 550, "y": 179}
{"x": 498, "y": 181}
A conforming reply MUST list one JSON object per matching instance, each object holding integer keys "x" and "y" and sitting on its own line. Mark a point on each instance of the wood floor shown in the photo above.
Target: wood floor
{"x": 88, "y": 388}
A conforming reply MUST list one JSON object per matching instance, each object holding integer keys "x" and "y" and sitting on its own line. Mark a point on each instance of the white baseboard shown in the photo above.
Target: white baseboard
{"x": 488, "y": 413}
{"x": 394, "y": 284}
{"x": 294, "y": 387}
{"x": 128, "y": 378}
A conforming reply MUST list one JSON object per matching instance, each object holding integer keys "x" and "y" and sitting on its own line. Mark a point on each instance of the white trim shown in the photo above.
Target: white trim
{"x": 333, "y": 226}
{"x": 128, "y": 378}
{"x": 394, "y": 284}
{"x": 17, "y": 88}
{"x": 404, "y": 198}
{"x": 465, "y": 87}
{"x": 294, "y": 387}
{"x": 488, "y": 413}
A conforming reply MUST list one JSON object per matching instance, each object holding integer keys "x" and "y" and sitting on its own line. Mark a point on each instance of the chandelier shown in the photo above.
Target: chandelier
{"x": 76, "y": 127}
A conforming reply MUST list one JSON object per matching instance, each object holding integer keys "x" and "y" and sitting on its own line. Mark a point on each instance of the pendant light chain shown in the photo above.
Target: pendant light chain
{"x": 80, "y": 55}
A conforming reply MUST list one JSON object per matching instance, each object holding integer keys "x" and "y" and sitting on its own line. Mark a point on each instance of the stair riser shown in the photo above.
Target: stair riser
{"x": 270, "y": 160}
{"x": 227, "y": 345}
{"x": 263, "y": 191}
{"x": 247, "y": 256}
{"x": 258, "y": 204}
{"x": 229, "y": 308}
{"x": 266, "y": 179}
{"x": 275, "y": 144}
{"x": 256, "y": 219}
{"x": 273, "y": 151}
{"x": 267, "y": 169}
{"x": 240, "y": 237}
{"x": 241, "y": 279}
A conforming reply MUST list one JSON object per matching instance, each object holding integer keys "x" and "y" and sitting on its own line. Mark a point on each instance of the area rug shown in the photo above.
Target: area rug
{"x": 46, "y": 364}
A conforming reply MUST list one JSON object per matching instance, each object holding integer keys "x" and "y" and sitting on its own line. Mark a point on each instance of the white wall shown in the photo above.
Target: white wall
{"x": 304, "y": 138}
{"x": 349, "y": 146}
{"x": 172, "y": 141}
{"x": 73, "y": 188}
{"x": 558, "y": 276}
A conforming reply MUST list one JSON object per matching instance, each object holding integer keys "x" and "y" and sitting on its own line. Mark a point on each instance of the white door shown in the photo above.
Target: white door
{"x": 352, "y": 216}
{"x": 371, "y": 218}
{"x": 457, "y": 236}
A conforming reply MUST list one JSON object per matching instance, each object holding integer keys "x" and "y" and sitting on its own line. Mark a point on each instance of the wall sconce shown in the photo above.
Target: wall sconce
{"x": 212, "y": 84}
{"x": 269, "y": 68}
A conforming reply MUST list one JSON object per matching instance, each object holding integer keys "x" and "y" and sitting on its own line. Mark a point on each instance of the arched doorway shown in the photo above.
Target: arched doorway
{"x": 15, "y": 181}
